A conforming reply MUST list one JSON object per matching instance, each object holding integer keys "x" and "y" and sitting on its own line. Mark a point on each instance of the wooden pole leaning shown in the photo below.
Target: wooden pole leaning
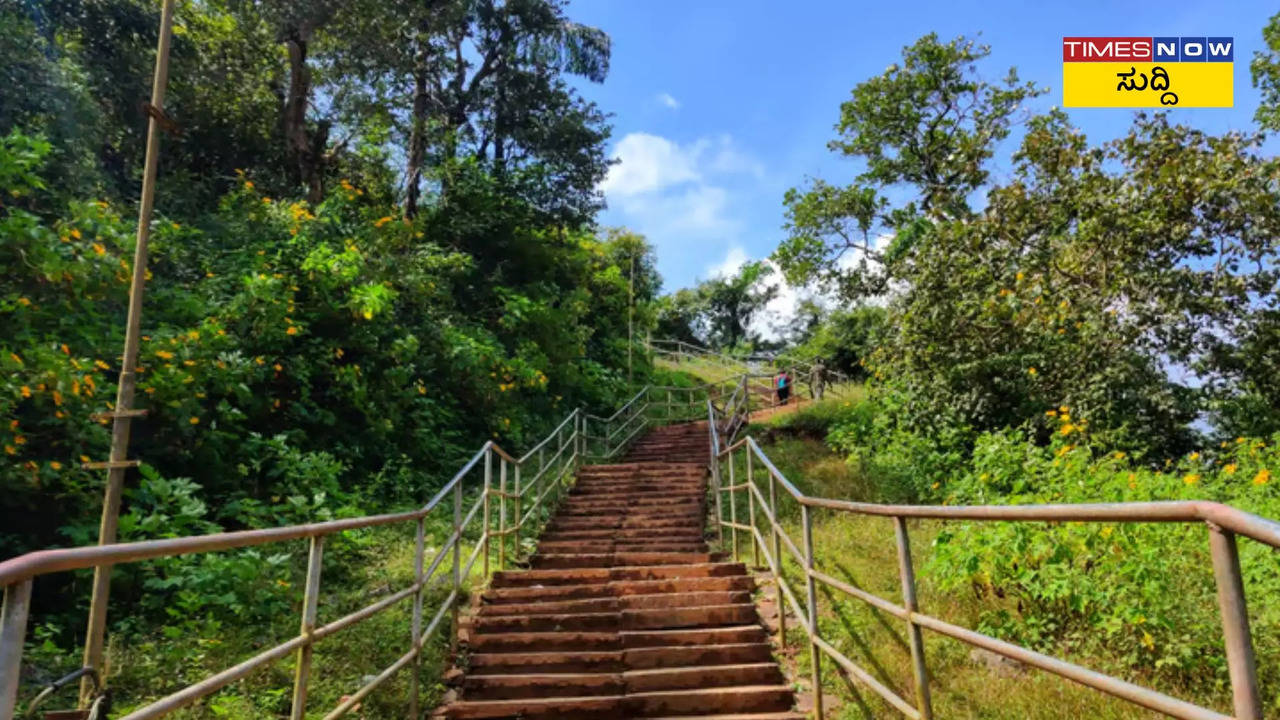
{"x": 118, "y": 463}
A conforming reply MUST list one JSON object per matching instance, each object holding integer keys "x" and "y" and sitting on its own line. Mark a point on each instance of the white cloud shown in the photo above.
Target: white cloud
{"x": 647, "y": 163}
{"x": 676, "y": 193}
{"x": 732, "y": 263}
{"x": 667, "y": 101}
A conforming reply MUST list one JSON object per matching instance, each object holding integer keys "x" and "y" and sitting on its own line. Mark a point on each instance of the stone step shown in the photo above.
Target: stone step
{"x": 625, "y": 612}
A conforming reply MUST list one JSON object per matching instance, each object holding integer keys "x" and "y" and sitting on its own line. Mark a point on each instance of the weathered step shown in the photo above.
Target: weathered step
{"x": 618, "y": 559}
{"x": 525, "y": 642}
{"x": 749, "y": 698}
{"x": 568, "y": 708}
{"x": 732, "y": 635}
{"x": 608, "y": 661}
{"x": 504, "y": 687}
{"x": 682, "y": 678}
{"x": 663, "y": 656}
{"x": 561, "y": 622}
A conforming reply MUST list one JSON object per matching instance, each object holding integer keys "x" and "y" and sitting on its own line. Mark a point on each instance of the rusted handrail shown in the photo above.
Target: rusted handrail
{"x": 17, "y": 575}
{"x": 1224, "y": 523}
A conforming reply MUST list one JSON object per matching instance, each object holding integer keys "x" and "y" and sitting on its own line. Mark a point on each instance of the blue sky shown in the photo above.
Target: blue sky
{"x": 721, "y": 105}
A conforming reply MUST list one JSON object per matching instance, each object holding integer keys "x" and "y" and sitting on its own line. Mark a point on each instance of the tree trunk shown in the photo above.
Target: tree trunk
{"x": 307, "y": 151}
{"x": 417, "y": 137}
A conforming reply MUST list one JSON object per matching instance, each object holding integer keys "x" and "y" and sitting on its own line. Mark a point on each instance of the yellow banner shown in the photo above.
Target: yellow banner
{"x": 1147, "y": 85}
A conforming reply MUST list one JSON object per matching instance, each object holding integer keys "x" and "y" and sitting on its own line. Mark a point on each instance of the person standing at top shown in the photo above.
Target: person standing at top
{"x": 783, "y": 383}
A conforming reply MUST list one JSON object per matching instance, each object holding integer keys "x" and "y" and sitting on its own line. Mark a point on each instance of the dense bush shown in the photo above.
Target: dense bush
{"x": 296, "y": 360}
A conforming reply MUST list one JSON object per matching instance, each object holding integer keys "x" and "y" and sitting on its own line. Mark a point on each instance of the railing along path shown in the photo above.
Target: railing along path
{"x": 764, "y": 484}
{"x": 511, "y": 500}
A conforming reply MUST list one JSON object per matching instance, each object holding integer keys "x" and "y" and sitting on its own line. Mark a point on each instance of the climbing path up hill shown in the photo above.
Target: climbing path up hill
{"x": 624, "y": 613}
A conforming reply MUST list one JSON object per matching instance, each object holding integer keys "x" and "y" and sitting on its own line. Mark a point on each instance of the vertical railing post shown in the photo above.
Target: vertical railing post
{"x": 670, "y": 407}
{"x": 310, "y": 604}
{"x": 733, "y": 508}
{"x": 518, "y": 519}
{"x": 746, "y": 393}
{"x": 751, "y": 507}
{"x": 13, "y": 634}
{"x": 815, "y": 654}
{"x": 488, "y": 483}
{"x": 907, "y": 573}
{"x": 502, "y": 514}
{"x": 1235, "y": 624}
{"x": 419, "y": 553}
{"x": 457, "y": 563}
{"x": 777, "y": 559}
{"x": 715, "y": 460}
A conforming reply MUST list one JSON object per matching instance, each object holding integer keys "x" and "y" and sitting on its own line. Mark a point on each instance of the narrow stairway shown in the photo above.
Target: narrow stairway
{"x": 624, "y": 613}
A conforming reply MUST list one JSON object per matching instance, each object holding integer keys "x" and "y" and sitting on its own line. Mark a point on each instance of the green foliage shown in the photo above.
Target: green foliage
{"x": 1131, "y": 595}
{"x": 1266, "y": 76}
{"x": 844, "y": 340}
{"x": 719, "y": 312}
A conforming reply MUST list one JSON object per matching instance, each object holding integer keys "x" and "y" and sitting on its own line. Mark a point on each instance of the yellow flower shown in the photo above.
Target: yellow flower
{"x": 1067, "y": 429}
{"x": 266, "y": 201}
{"x": 10, "y": 450}
{"x": 1263, "y": 476}
{"x": 1191, "y": 479}
{"x": 291, "y": 331}
{"x": 1119, "y": 454}
{"x": 65, "y": 350}
{"x": 1239, "y": 441}
{"x": 1106, "y": 531}
{"x": 84, "y": 458}
{"x": 75, "y": 233}
{"x": 189, "y": 363}
{"x": 97, "y": 248}
{"x": 1051, "y": 413}
{"x": 248, "y": 184}
{"x": 164, "y": 354}
{"x": 57, "y": 398}
{"x": 368, "y": 314}
{"x": 101, "y": 365}
{"x": 24, "y": 302}
{"x": 1031, "y": 371}
{"x": 1193, "y": 456}
{"x": 382, "y": 221}
{"x": 1019, "y": 277}
{"x": 1229, "y": 469}
{"x": 1147, "y": 641}
{"x": 20, "y": 440}
{"x": 259, "y": 360}
{"x": 55, "y": 465}
{"x": 194, "y": 420}
{"x": 26, "y": 391}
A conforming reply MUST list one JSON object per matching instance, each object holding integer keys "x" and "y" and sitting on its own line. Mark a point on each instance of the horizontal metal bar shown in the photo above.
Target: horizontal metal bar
{"x": 782, "y": 582}
{"x": 1230, "y": 518}
{"x": 42, "y": 562}
{"x": 364, "y": 613}
{"x": 861, "y": 594}
{"x": 547, "y": 439}
{"x": 865, "y": 678}
{"x": 774, "y": 524}
{"x": 1113, "y": 686}
{"x": 353, "y": 699}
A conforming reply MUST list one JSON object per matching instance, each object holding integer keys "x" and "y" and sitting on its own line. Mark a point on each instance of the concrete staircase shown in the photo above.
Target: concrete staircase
{"x": 624, "y": 613}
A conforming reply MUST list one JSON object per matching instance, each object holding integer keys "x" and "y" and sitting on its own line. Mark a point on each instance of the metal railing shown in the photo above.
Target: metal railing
{"x": 512, "y": 497}
{"x": 1224, "y": 524}
{"x": 678, "y": 352}
{"x": 537, "y": 478}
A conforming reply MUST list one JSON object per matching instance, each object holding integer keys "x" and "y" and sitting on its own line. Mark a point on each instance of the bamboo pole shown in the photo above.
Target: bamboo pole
{"x": 122, "y": 424}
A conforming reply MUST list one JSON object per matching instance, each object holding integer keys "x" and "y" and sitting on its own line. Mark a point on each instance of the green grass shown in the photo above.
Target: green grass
{"x": 862, "y": 552}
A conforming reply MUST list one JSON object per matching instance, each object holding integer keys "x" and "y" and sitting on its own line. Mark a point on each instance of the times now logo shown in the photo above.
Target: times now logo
{"x": 1148, "y": 49}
